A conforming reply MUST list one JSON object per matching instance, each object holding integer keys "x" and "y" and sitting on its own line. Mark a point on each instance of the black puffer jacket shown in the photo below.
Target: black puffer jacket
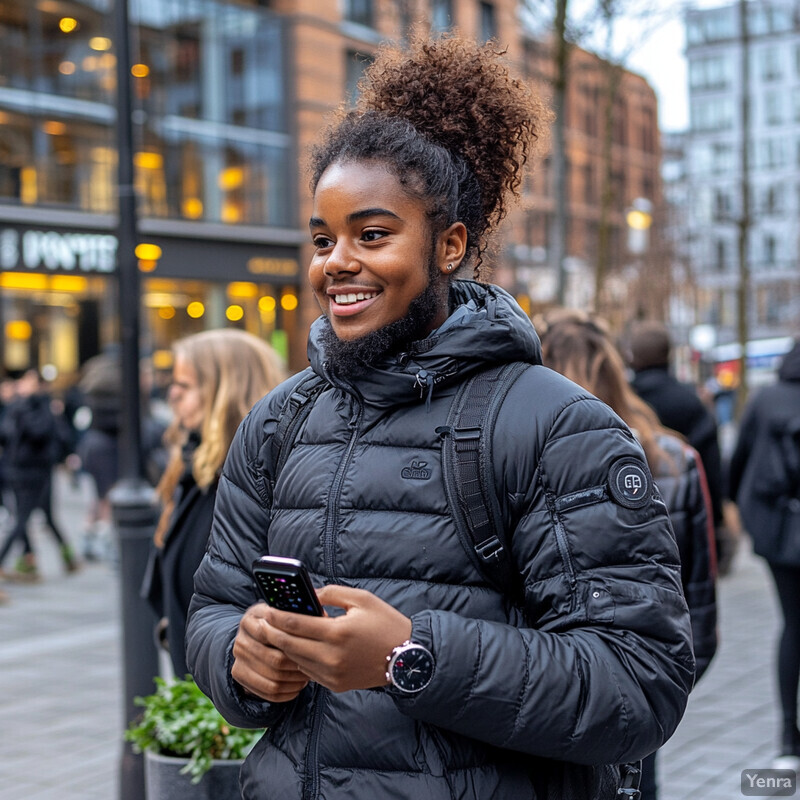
{"x": 595, "y": 668}
{"x": 683, "y": 486}
{"x": 770, "y": 515}
{"x": 33, "y": 439}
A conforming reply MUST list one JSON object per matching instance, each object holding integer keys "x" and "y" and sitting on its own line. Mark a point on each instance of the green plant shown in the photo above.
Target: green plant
{"x": 179, "y": 720}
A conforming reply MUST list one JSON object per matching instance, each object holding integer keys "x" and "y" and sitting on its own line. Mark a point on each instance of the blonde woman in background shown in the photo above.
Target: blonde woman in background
{"x": 217, "y": 377}
{"x": 580, "y": 348}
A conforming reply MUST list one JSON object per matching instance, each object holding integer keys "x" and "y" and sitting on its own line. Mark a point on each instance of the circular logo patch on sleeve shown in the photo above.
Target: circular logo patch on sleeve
{"x": 630, "y": 483}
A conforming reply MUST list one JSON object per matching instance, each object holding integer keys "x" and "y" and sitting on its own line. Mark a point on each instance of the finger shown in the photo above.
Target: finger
{"x": 343, "y": 596}
{"x": 302, "y": 626}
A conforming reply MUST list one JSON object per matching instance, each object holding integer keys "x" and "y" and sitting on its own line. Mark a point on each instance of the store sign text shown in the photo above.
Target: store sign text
{"x": 85, "y": 252}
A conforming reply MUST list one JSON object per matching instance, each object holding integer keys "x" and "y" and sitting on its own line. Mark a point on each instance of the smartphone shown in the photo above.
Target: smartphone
{"x": 284, "y": 584}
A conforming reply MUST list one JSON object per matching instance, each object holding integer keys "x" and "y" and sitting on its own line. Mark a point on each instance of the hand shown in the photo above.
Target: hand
{"x": 258, "y": 666}
{"x": 345, "y": 652}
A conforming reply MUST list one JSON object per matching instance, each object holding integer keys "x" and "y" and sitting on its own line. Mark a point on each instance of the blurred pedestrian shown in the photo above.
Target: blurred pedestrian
{"x": 33, "y": 437}
{"x": 765, "y": 483}
{"x": 581, "y": 349}
{"x": 98, "y": 446}
{"x": 217, "y": 376}
{"x": 647, "y": 347}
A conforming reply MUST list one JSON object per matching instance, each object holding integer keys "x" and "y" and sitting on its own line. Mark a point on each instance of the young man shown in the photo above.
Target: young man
{"x": 424, "y": 680}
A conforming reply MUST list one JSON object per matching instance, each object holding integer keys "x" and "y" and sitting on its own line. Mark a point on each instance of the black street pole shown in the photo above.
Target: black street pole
{"x": 133, "y": 509}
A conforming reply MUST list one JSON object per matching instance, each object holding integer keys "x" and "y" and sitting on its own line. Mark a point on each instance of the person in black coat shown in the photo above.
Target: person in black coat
{"x": 34, "y": 440}
{"x": 580, "y": 348}
{"x": 217, "y": 376}
{"x": 647, "y": 348}
{"x": 426, "y": 679}
{"x": 764, "y": 481}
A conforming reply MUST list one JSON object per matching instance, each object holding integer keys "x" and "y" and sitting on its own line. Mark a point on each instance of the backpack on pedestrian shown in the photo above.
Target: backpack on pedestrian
{"x": 778, "y": 481}
{"x": 468, "y": 473}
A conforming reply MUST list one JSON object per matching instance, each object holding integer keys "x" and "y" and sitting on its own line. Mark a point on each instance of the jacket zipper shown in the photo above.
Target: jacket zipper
{"x": 319, "y": 699}
{"x": 332, "y": 516}
{"x": 561, "y": 540}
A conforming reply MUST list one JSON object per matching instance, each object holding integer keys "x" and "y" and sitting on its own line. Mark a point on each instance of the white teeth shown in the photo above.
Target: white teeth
{"x": 345, "y": 299}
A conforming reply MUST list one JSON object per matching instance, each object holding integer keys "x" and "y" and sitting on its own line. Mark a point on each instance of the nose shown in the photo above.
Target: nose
{"x": 341, "y": 260}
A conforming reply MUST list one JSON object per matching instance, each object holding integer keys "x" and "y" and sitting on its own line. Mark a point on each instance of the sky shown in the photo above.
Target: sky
{"x": 653, "y": 46}
{"x": 661, "y": 61}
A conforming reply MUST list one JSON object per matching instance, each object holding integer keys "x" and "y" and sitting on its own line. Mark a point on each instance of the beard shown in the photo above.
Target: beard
{"x": 351, "y": 358}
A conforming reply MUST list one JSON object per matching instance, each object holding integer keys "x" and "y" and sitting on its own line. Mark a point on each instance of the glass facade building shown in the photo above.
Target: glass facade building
{"x": 214, "y": 168}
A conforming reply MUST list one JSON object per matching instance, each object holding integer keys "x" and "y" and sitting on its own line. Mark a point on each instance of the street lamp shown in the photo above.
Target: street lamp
{"x": 133, "y": 509}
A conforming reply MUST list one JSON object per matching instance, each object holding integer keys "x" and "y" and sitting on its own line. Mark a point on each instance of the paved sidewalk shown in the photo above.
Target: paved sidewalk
{"x": 61, "y": 706}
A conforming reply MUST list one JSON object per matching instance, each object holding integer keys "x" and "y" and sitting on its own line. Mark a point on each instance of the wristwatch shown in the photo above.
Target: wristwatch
{"x": 410, "y": 667}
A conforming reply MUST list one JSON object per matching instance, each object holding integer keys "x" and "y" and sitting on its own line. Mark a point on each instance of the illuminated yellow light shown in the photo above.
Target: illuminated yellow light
{"x": 230, "y": 213}
{"x": 100, "y": 43}
{"x": 23, "y": 280}
{"x": 18, "y": 329}
{"x": 140, "y": 70}
{"x": 89, "y": 63}
{"x": 524, "y": 303}
{"x": 195, "y": 309}
{"x": 241, "y": 290}
{"x": 67, "y": 24}
{"x": 192, "y": 208}
{"x": 29, "y": 190}
{"x": 166, "y": 312}
{"x": 266, "y": 304}
{"x": 69, "y": 283}
{"x": 145, "y": 160}
{"x": 162, "y": 359}
{"x": 231, "y": 178}
{"x": 289, "y": 302}
{"x": 107, "y": 61}
{"x": 234, "y": 313}
{"x": 54, "y": 128}
{"x": 67, "y": 67}
{"x": 638, "y": 220}
{"x": 146, "y": 265}
{"x": 147, "y": 251}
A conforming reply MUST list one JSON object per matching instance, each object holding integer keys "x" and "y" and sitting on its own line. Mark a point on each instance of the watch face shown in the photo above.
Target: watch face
{"x": 412, "y": 669}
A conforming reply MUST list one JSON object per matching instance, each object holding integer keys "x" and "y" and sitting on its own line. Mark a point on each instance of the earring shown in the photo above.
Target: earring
{"x": 449, "y": 267}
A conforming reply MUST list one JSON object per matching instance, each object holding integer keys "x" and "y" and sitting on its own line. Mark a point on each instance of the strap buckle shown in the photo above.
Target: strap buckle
{"x": 466, "y": 437}
{"x": 489, "y": 549}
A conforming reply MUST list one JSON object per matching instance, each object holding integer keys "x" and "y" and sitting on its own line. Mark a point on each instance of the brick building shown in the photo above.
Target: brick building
{"x": 229, "y": 95}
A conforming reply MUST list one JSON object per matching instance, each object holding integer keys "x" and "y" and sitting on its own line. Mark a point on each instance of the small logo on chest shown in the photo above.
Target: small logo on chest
{"x": 416, "y": 472}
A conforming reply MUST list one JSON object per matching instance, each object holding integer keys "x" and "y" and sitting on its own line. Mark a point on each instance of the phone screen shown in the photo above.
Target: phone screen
{"x": 285, "y": 585}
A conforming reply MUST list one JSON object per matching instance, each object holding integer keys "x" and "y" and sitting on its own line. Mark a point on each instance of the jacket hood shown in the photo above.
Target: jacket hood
{"x": 790, "y": 366}
{"x": 486, "y": 326}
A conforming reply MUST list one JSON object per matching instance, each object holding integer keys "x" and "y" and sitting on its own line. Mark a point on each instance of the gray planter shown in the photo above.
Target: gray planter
{"x": 163, "y": 779}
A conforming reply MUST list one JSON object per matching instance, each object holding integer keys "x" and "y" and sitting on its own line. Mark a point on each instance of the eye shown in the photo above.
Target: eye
{"x": 373, "y": 235}
{"x": 321, "y": 242}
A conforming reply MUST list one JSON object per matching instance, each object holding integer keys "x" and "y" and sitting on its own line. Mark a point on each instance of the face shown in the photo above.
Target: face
{"x": 185, "y": 397}
{"x": 373, "y": 251}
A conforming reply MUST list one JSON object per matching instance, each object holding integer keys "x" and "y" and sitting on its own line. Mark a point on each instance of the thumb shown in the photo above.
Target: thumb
{"x": 342, "y": 596}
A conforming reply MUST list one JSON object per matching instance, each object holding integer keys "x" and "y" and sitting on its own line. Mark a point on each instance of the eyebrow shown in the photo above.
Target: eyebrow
{"x": 317, "y": 222}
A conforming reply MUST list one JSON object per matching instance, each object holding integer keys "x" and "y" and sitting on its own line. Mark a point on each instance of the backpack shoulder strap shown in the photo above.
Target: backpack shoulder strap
{"x": 295, "y": 409}
{"x": 468, "y": 470}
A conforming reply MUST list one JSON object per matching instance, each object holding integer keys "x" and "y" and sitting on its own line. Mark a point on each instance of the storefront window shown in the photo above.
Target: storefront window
{"x": 210, "y": 136}
{"x": 178, "y": 308}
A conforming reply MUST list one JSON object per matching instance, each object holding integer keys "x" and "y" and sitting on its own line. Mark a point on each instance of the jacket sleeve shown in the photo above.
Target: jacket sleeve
{"x": 743, "y": 449}
{"x": 224, "y": 588}
{"x": 600, "y": 669}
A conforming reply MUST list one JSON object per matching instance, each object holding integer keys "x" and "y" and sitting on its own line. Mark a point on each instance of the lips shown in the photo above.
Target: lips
{"x": 347, "y": 304}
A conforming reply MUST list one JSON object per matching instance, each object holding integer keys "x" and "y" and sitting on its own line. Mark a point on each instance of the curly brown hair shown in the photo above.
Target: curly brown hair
{"x": 454, "y": 125}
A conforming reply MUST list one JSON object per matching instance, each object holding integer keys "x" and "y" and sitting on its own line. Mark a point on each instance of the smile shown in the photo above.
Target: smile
{"x": 347, "y": 299}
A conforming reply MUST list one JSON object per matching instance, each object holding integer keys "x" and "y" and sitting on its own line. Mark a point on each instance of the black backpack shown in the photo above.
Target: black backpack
{"x": 468, "y": 473}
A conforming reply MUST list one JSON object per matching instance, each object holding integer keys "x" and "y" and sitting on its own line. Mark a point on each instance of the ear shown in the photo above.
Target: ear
{"x": 451, "y": 246}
